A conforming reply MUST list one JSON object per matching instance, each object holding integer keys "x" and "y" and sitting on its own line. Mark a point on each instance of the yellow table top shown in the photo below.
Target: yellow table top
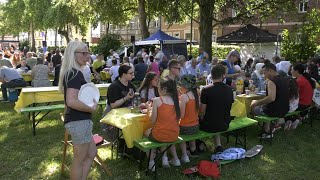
{"x": 33, "y": 95}
{"x": 27, "y": 76}
{"x": 133, "y": 125}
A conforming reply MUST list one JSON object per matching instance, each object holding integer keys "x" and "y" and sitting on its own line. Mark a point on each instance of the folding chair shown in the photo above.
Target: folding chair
{"x": 97, "y": 159}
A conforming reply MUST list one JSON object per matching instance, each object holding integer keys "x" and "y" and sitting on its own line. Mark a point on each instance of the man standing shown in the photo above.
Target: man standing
{"x": 10, "y": 78}
{"x": 215, "y": 104}
{"x": 56, "y": 58}
{"x": 232, "y": 57}
{"x": 159, "y": 55}
{"x": 276, "y": 102}
{"x": 140, "y": 70}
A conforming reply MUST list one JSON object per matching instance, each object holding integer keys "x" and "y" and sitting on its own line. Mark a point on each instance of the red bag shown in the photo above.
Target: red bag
{"x": 209, "y": 169}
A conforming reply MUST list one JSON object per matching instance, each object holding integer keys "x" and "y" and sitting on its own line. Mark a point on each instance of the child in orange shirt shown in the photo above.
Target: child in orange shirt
{"x": 165, "y": 118}
{"x": 189, "y": 106}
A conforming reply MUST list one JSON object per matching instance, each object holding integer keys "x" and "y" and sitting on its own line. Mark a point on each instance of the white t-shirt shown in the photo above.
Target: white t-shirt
{"x": 150, "y": 93}
{"x": 86, "y": 73}
{"x": 114, "y": 72}
{"x": 159, "y": 56}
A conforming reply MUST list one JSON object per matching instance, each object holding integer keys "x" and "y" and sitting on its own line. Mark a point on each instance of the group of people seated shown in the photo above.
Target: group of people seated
{"x": 39, "y": 66}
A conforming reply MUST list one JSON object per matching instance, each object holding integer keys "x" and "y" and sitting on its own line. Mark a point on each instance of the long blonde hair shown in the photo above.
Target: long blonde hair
{"x": 69, "y": 62}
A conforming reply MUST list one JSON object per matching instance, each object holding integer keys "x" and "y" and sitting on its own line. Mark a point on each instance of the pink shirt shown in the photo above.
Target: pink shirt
{"x": 155, "y": 68}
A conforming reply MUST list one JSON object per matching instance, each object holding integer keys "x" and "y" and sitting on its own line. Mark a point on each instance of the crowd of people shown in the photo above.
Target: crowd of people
{"x": 168, "y": 89}
{"x": 15, "y": 63}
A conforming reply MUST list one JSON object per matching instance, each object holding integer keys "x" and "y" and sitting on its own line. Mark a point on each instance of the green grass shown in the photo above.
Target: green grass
{"x": 293, "y": 155}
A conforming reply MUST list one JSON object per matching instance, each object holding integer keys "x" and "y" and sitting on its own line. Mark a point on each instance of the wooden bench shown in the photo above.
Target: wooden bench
{"x": 237, "y": 124}
{"x": 34, "y": 111}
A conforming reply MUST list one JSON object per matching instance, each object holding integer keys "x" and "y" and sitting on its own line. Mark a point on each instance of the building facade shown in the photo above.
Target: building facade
{"x": 130, "y": 30}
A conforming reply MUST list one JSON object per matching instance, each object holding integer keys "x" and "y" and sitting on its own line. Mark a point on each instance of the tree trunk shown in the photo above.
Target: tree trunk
{"x": 65, "y": 34}
{"x": 143, "y": 19}
{"x": 33, "y": 47}
{"x": 205, "y": 25}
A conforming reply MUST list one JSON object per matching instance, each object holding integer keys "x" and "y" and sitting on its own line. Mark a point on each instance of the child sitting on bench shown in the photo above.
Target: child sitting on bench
{"x": 165, "y": 118}
{"x": 189, "y": 107}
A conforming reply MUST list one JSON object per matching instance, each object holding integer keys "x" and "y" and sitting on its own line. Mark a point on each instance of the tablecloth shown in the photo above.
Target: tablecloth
{"x": 33, "y": 95}
{"x": 133, "y": 125}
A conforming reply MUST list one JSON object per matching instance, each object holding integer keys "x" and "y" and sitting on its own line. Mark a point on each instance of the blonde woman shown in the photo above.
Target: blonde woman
{"x": 77, "y": 114}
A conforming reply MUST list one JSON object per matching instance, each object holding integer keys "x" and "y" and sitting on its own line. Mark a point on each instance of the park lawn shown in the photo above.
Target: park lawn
{"x": 293, "y": 155}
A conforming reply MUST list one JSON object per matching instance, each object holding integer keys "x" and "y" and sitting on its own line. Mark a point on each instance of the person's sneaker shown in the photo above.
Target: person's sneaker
{"x": 288, "y": 125}
{"x": 218, "y": 149}
{"x": 295, "y": 124}
{"x": 185, "y": 159}
{"x": 165, "y": 162}
{"x": 175, "y": 162}
{"x": 266, "y": 136}
{"x": 275, "y": 128}
{"x": 194, "y": 153}
{"x": 152, "y": 166}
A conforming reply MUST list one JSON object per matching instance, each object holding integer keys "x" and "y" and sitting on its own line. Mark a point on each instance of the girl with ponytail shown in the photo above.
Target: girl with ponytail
{"x": 165, "y": 117}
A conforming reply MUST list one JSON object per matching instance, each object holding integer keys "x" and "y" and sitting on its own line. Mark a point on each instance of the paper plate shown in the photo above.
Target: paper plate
{"x": 87, "y": 93}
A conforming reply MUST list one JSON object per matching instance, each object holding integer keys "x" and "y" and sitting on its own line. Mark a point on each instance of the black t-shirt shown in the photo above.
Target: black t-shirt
{"x": 56, "y": 59}
{"x": 75, "y": 80}
{"x": 279, "y": 107}
{"x": 117, "y": 91}
{"x": 218, "y": 98}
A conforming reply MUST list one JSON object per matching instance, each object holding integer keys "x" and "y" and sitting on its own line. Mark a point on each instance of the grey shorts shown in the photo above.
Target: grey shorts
{"x": 189, "y": 130}
{"x": 80, "y": 131}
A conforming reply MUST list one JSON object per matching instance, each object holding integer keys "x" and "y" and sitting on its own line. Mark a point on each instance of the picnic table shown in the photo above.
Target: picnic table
{"x": 134, "y": 124}
{"x": 35, "y": 95}
{"x": 27, "y": 76}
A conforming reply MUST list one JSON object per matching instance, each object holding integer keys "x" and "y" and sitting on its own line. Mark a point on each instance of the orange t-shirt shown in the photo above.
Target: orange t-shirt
{"x": 166, "y": 128}
{"x": 191, "y": 114}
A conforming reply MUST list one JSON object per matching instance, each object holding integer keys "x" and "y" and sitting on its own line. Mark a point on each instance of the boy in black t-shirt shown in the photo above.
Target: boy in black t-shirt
{"x": 216, "y": 101}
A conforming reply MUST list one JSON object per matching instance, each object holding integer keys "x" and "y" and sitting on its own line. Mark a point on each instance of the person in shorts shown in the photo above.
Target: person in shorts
{"x": 77, "y": 115}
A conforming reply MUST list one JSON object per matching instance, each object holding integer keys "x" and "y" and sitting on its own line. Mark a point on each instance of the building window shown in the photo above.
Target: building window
{"x": 187, "y": 36}
{"x": 303, "y": 6}
{"x": 214, "y": 37}
{"x": 176, "y": 34}
{"x": 157, "y": 23}
{"x": 131, "y": 25}
{"x": 233, "y": 13}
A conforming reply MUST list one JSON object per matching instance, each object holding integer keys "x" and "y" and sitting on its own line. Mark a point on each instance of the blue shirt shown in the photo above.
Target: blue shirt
{"x": 192, "y": 71}
{"x": 230, "y": 71}
{"x": 140, "y": 71}
{"x": 203, "y": 67}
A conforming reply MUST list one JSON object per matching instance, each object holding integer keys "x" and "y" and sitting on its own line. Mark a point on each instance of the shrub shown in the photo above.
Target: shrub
{"x": 107, "y": 42}
{"x": 220, "y": 51}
